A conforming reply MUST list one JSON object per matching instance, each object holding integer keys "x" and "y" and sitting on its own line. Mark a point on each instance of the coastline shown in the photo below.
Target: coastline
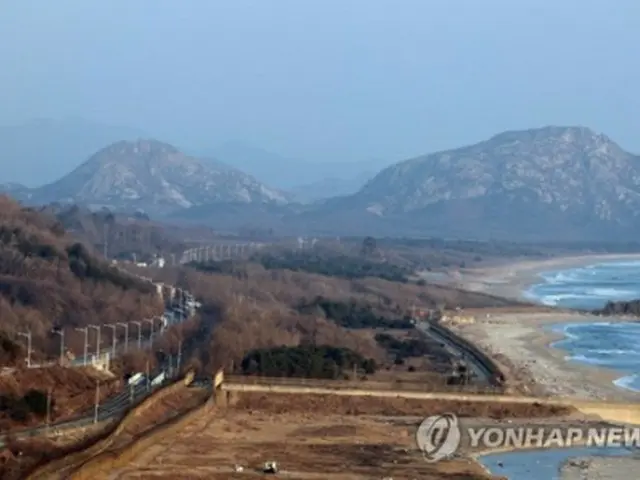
{"x": 523, "y": 345}
{"x": 513, "y": 279}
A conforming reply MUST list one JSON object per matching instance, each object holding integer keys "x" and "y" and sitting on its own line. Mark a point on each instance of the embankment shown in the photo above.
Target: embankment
{"x": 68, "y": 459}
{"x": 493, "y": 373}
{"x": 109, "y": 461}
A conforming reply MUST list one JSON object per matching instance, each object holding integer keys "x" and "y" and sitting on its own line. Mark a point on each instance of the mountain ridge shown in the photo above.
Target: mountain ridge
{"x": 155, "y": 177}
{"x": 571, "y": 179}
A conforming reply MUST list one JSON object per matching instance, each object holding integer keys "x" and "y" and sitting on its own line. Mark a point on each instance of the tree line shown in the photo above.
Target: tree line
{"x": 308, "y": 361}
{"x": 352, "y": 314}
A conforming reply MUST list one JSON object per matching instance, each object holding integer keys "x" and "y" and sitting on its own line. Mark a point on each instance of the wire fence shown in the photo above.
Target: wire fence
{"x": 397, "y": 385}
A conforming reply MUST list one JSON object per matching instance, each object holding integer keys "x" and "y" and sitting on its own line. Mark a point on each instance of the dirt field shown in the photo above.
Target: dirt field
{"x": 306, "y": 446}
{"x": 311, "y": 437}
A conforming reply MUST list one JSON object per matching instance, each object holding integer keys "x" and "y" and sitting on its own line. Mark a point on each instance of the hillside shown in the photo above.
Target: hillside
{"x": 48, "y": 281}
{"x": 562, "y": 183}
{"x": 154, "y": 177}
{"x": 125, "y": 235}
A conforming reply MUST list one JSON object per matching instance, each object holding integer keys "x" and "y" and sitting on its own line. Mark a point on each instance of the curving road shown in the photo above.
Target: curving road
{"x": 118, "y": 404}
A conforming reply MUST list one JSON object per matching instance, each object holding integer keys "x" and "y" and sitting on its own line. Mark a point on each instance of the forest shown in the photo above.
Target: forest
{"x": 50, "y": 281}
{"x": 309, "y": 361}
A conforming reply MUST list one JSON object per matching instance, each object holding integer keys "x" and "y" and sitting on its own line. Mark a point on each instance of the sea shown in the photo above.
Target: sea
{"x": 614, "y": 345}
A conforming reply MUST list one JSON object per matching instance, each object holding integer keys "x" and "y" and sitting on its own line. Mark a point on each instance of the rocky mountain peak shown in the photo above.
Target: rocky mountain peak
{"x": 565, "y": 173}
{"x": 156, "y": 177}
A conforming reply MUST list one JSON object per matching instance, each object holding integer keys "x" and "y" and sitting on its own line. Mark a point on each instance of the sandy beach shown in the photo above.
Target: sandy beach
{"x": 520, "y": 341}
{"x": 512, "y": 280}
{"x": 521, "y": 344}
{"x": 600, "y": 468}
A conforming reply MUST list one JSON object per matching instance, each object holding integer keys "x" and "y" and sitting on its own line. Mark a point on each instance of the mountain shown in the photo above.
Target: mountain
{"x": 15, "y": 190}
{"x": 330, "y": 187}
{"x": 154, "y": 177}
{"x": 547, "y": 183}
{"x": 36, "y": 152}
{"x": 292, "y": 174}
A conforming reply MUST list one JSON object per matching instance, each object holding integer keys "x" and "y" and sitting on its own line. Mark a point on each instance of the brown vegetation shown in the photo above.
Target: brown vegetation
{"x": 72, "y": 390}
{"x": 47, "y": 282}
{"x": 334, "y": 404}
{"x": 125, "y": 235}
{"x": 306, "y": 444}
{"x": 254, "y": 308}
{"x": 64, "y": 456}
{"x": 50, "y": 283}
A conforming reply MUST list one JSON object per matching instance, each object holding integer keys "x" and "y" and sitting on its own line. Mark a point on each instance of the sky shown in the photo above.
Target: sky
{"x": 325, "y": 80}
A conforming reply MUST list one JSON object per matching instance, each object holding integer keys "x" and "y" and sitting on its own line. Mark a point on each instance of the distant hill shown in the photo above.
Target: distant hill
{"x": 154, "y": 177}
{"x": 296, "y": 175}
{"x": 40, "y": 151}
{"x": 546, "y": 183}
{"x": 330, "y": 187}
{"x": 124, "y": 235}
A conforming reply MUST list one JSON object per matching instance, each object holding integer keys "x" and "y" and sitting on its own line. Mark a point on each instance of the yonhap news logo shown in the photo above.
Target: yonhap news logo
{"x": 441, "y": 437}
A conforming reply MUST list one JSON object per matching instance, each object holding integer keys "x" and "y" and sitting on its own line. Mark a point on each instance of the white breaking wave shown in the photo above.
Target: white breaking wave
{"x": 629, "y": 382}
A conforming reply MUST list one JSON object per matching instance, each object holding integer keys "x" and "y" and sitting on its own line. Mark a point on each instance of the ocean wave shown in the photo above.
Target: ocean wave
{"x": 628, "y": 382}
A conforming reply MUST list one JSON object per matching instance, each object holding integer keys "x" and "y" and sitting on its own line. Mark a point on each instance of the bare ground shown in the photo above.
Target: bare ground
{"x": 313, "y": 437}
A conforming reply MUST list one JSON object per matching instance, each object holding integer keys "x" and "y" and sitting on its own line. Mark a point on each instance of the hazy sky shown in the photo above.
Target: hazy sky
{"x": 325, "y": 79}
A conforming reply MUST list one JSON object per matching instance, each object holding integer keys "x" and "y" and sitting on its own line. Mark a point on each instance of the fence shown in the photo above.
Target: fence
{"x": 494, "y": 374}
{"x": 359, "y": 385}
{"x": 105, "y": 439}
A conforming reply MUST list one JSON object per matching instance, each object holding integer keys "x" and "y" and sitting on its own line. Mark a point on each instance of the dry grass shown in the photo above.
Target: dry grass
{"x": 72, "y": 390}
{"x": 334, "y": 404}
{"x": 36, "y": 451}
{"x": 310, "y": 445}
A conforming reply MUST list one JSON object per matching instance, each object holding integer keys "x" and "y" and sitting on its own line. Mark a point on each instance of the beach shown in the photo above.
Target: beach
{"x": 512, "y": 280}
{"x": 521, "y": 341}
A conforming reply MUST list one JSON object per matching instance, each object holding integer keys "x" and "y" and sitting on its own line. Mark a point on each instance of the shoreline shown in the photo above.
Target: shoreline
{"x": 513, "y": 279}
{"x": 525, "y": 347}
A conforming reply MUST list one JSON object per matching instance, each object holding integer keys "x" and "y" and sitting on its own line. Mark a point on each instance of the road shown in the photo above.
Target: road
{"x": 118, "y": 404}
{"x": 479, "y": 370}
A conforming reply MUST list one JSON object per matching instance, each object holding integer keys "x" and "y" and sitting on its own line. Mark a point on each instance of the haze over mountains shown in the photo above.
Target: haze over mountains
{"x": 41, "y": 151}
{"x": 561, "y": 183}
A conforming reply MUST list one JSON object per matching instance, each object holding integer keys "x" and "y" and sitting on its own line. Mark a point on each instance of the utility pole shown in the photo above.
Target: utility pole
{"x": 139, "y": 325}
{"x": 147, "y": 373}
{"x": 179, "y": 356}
{"x": 97, "y": 403}
{"x": 49, "y": 393}
{"x": 126, "y": 335}
{"x": 114, "y": 339}
{"x": 150, "y": 321}
{"x": 27, "y": 335}
{"x": 106, "y": 244}
{"x": 60, "y": 331}
{"x": 97, "y": 328}
{"x": 86, "y": 343}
